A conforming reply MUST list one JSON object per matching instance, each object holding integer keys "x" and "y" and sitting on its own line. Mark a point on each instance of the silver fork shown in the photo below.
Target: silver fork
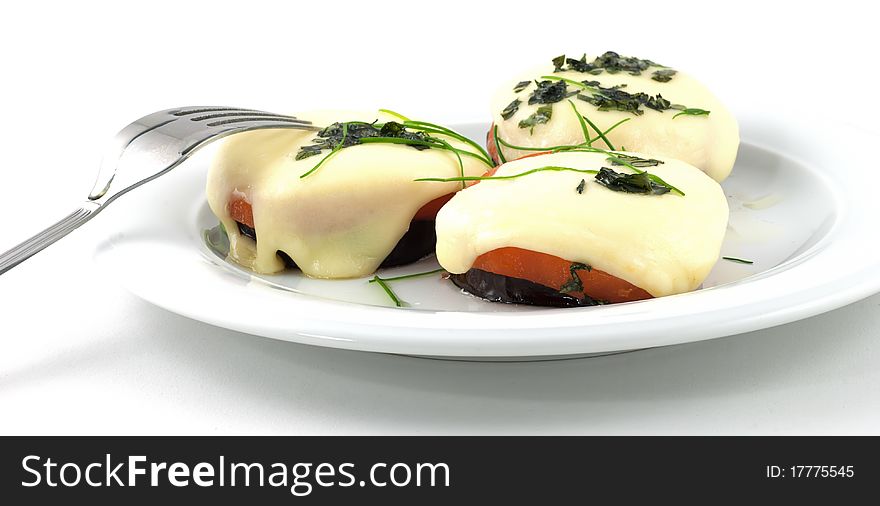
{"x": 146, "y": 149}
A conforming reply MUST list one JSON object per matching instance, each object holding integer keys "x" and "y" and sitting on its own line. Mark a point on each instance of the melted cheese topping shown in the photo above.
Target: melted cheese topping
{"x": 707, "y": 142}
{"x": 664, "y": 244}
{"x": 342, "y": 220}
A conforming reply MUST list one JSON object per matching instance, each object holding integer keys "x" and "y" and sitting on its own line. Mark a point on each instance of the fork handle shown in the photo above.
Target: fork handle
{"x": 37, "y": 243}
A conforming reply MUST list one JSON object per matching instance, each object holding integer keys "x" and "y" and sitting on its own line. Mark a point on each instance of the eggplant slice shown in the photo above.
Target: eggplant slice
{"x": 417, "y": 243}
{"x": 499, "y": 288}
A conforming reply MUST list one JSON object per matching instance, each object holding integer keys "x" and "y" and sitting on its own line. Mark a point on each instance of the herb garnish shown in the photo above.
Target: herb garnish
{"x": 616, "y": 99}
{"x": 739, "y": 260}
{"x": 342, "y": 140}
{"x": 575, "y": 284}
{"x": 511, "y": 109}
{"x": 692, "y": 112}
{"x": 546, "y": 92}
{"x": 383, "y": 282}
{"x": 521, "y": 86}
{"x": 663, "y": 75}
{"x": 630, "y": 161}
{"x": 551, "y": 168}
{"x": 610, "y": 62}
{"x": 343, "y": 135}
{"x": 498, "y": 150}
{"x": 580, "y": 118}
{"x": 416, "y": 134}
{"x": 583, "y": 120}
{"x": 630, "y": 183}
{"x": 581, "y": 186}
{"x": 634, "y": 161}
{"x": 542, "y": 115}
{"x": 549, "y": 92}
{"x": 645, "y": 183}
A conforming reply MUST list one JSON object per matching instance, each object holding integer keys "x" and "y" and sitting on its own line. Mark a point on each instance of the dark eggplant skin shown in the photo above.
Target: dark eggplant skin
{"x": 417, "y": 243}
{"x": 246, "y": 231}
{"x": 250, "y": 232}
{"x": 499, "y": 288}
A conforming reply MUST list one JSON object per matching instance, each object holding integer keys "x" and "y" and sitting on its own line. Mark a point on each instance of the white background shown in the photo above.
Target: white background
{"x": 79, "y": 355}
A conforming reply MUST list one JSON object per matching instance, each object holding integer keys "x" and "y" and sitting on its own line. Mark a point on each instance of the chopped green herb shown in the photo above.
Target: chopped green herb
{"x": 336, "y": 135}
{"x": 738, "y": 260}
{"x": 575, "y": 284}
{"x": 610, "y": 62}
{"x": 342, "y": 140}
{"x": 581, "y": 186}
{"x": 521, "y": 86}
{"x": 634, "y": 161}
{"x": 692, "y": 112}
{"x": 663, "y": 75}
{"x": 630, "y": 183}
{"x": 645, "y": 183}
{"x": 616, "y": 99}
{"x": 617, "y": 159}
{"x": 343, "y": 135}
{"x": 549, "y": 92}
{"x": 542, "y": 115}
{"x": 558, "y": 63}
{"x": 613, "y": 63}
{"x": 511, "y": 108}
{"x": 415, "y": 134}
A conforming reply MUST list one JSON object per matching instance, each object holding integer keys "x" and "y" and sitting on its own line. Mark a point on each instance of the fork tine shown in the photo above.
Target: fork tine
{"x": 240, "y": 114}
{"x": 202, "y": 109}
{"x": 250, "y": 118}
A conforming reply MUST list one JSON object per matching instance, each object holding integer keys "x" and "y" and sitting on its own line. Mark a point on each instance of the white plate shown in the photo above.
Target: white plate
{"x": 804, "y": 206}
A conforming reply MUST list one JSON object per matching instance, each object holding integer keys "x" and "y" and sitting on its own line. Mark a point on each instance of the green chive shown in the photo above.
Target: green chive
{"x": 601, "y": 135}
{"x": 388, "y": 290}
{"x": 738, "y": 260}
{"x": 551, "y": 168}
{"x": 422, "y": 125}
{"x": 498, "y": 145}
{"x": 408, "y": 276}
{"x": 395, "y": 114}
{"x": 583, "y": 125}
{"x": 692, "y": 112}
{"x": 383, "y": 282}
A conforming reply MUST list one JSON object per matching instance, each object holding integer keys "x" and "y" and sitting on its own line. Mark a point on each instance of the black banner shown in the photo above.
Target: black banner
{"x": 434, "y": 470}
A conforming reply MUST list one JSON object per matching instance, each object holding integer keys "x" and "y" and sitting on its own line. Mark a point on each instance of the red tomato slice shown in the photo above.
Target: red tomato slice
{"x": 555, "y": 272}
{"x": 242, "y": 211}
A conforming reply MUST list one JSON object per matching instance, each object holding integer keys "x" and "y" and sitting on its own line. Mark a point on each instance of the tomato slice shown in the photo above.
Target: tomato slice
{"x": 556, "y": 273}
{"x": 429, "y": 211}
{"x": 491, "y": 147}
{"x": 242, "y": 211}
